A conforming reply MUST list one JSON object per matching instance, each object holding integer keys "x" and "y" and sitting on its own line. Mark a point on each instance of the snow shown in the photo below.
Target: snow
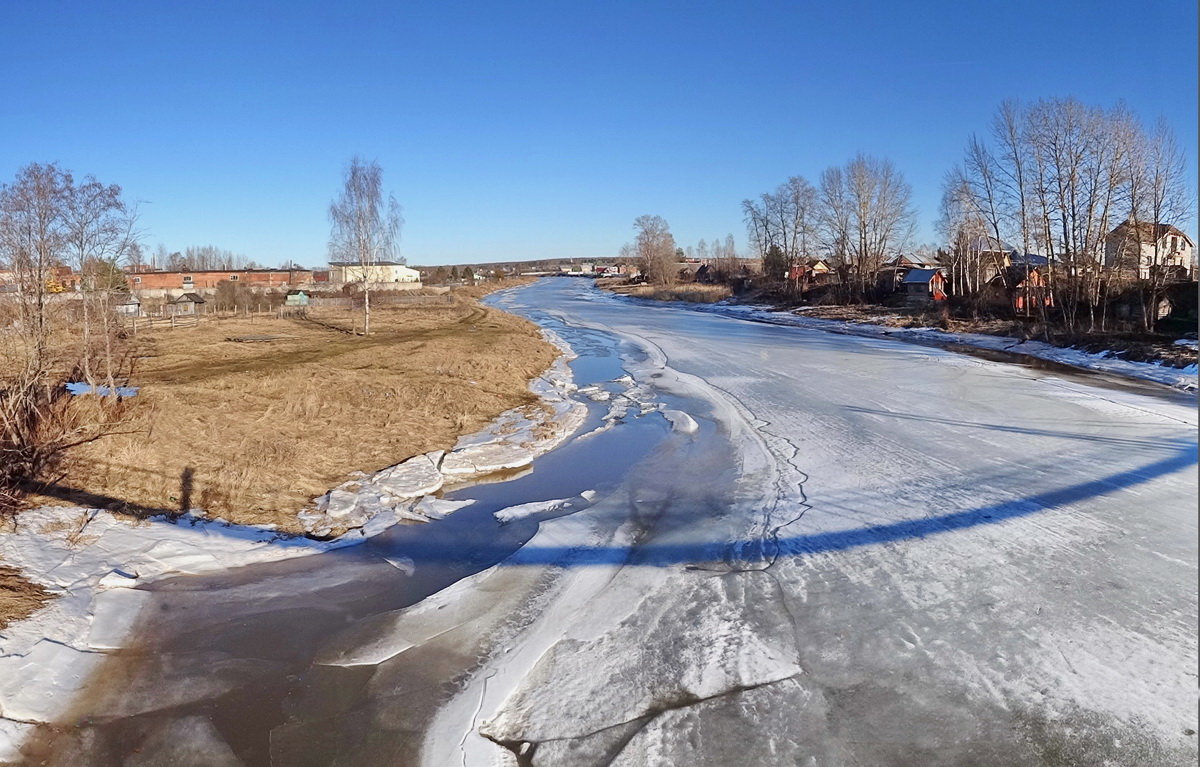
{"x": 1046, "y": 596}
{"x": 12, "y": 735}
{"x": 37, "y": 685}
{"x": 542, "y": 508}
{"x": 113, "y": 615}
{"x": 1180, "y": 378}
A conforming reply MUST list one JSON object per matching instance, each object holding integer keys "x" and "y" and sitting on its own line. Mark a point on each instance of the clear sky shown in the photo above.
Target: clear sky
{"x": 538, "y": 130}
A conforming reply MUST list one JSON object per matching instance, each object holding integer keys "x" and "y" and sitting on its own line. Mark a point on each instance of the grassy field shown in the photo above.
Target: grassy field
{"x": 251, "y": 431}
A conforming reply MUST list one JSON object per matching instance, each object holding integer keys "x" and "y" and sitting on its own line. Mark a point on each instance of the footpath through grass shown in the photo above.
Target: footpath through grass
{"x": 252, "y": 431}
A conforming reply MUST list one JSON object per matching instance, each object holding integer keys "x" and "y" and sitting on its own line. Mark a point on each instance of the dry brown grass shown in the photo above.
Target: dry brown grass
{"x": 19, "y": 598}
{"x": 691, "y": 292}
{"x": 253, "y": 431}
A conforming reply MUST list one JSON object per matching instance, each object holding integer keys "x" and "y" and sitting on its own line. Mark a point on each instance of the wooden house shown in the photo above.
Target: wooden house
{"x": 129, "y": 306}
{"x": 187, "y": 305}
{"x": 1148, "y": 249}
{"x": 921, "y": 286}
{"x": 890, "y": 277}
{"x": 1022, "y": 287}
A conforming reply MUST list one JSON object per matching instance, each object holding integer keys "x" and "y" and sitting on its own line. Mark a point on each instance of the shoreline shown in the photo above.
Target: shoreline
{"x": 93, "y": 560}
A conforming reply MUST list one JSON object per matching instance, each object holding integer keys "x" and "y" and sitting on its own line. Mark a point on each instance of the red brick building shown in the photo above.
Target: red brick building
{"x": 164, "y": 283}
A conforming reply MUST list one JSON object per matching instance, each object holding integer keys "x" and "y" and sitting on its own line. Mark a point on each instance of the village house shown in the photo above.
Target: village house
{"x": 819, "y": 270}
{"x": 890, "y": 278}
{"x": 1159, "y": 250}
{"x": 921, "y": 286}
{"x": 186, "y": 305}
{"x": 296, "y": 298}
{"x": 129, "y": 306}
{"x": 1022, "y": 287}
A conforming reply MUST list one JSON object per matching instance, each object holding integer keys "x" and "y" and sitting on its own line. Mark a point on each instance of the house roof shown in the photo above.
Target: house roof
{"x": 917, "y": 276}
{"x": 1031, "y": 259}
{"x": 906, "y": 261}
{"x": 988, "y": 244}
{"x": 195, "y": 298}
{"x": 1147, "y": 232}
{"x": 373, "y": 263}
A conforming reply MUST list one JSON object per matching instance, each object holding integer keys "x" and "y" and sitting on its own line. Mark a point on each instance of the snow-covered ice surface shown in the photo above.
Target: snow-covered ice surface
{"x": 850, "y": 551}
{"x": 1184, "y": 378}
{"x": 924, "y": 558}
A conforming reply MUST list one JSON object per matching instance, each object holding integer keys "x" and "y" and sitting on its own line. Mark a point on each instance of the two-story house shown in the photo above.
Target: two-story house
{"x": 1158, "y": 249}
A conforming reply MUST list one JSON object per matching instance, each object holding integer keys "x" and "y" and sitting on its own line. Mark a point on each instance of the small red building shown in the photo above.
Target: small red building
{"x": 924, "y": 285}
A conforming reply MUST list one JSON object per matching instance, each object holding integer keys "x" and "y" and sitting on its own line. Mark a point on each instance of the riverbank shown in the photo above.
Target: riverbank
{"x": 252, "y": 419}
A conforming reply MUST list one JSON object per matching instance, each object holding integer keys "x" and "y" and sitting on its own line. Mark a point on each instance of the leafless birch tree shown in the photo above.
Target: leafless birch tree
{"x": 867, "y": 216}
{"x": 364, "y": 226}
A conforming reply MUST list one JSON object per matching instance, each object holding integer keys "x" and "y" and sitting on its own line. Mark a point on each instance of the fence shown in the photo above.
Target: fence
{"x": 266, "y": 310}
{"x": 378, "y": 299}
{"x": 149, "y": 323}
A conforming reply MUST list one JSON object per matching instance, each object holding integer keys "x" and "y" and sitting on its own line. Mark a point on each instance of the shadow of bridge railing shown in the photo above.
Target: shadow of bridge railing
{"x": 441, "y": 545}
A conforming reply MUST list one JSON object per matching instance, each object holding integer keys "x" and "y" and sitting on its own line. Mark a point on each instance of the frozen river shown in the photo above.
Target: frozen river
{"x": 788, "y": 547}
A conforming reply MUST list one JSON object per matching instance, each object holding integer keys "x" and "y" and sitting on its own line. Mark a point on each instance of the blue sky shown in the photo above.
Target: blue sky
{"x": 541, "y": 130}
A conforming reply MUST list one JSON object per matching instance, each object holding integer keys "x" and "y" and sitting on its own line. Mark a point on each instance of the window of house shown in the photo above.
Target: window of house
{"x": 233, "y": 278}
{"x": 187, "y": 278}
{"x": 137, "y": 280}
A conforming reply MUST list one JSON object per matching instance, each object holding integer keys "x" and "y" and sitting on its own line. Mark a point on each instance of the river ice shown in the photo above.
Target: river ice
{"x": 923, "y": 558}
{"x": 847, "y": 550}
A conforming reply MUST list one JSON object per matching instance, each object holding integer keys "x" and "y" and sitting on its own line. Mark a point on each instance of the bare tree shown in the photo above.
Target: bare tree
{"x": 1158, "y": 200}
{"x": 46, "y": 221}
{"x": 364, "y": 226}
{"x": 782, "y": 226}
{"x": 655, "y": 249}
{"x": 965, "y": 230}
{"x": 99, "y": 234}
{"x": 1063, "y": 174}
{"x": 867, "y": 216}
{"x": 33, "y": 235}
